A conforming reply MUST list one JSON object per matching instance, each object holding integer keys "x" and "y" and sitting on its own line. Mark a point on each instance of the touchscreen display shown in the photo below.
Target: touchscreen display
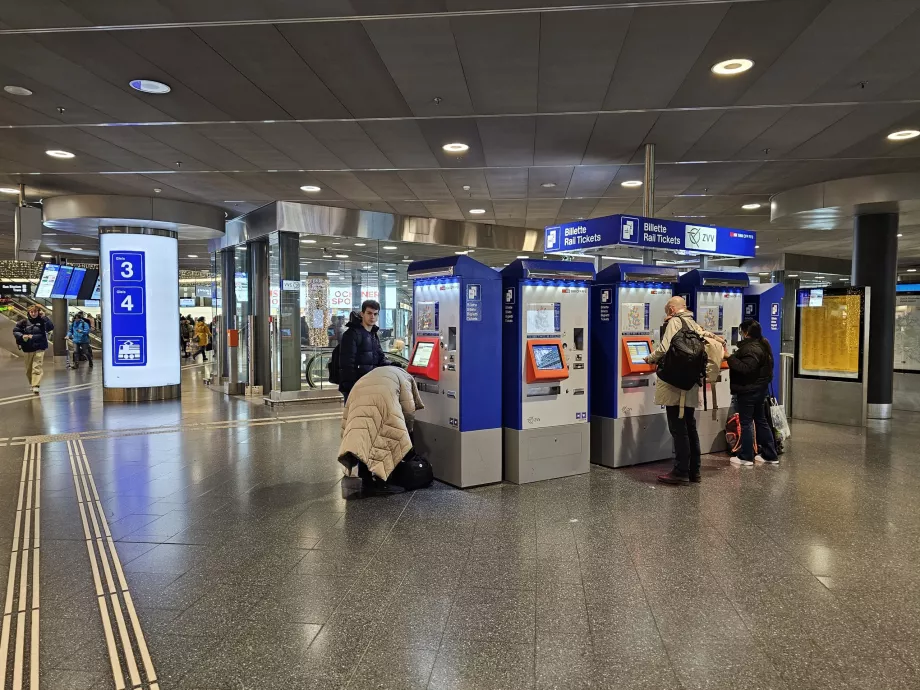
{"x": 547, "y": 356}
{"x": 49, "y": 275}
{"x": 76, "y": 280}
{"x": 422, "y": 355}
{"x": 61, "y": 283}
{"x": 638, "y": 352}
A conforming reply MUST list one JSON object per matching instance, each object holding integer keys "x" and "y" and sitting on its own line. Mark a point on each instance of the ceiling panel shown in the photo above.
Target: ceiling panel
{"x": 448, "y": 131}
{"x": 302, "y": 146}
{"x": 402, "y": 142}
{"x": 507, "y": 183}
{"x": 591, "y": 181}
{"x": 852, "y": 128}
{"x": 247, "y": 144}
{"x": 350, "y": 143}
{"x": 563, "y": 139}
{"x": 559, "y": 177}
{"x": 675, "y": 133}
{"x": 387, "y": 185}
{"x": 616, "y": 138}
{"x": 507, "y": 141}
{"x": 426, "y": 184}
{"x": 731, "y": 133}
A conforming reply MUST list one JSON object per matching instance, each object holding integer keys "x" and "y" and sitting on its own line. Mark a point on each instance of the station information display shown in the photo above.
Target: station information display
{"x": 97, "y": 289}
{"x": 140, "y": 288}
{"x": 830, "y": 328}
{"x": 46, "y": 282}
{"x": 61, "y": 282}
{"x": 76, "y": 280}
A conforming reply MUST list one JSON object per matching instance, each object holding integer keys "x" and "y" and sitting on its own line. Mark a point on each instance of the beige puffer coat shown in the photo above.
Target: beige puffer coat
{"x": 378, "y": 415}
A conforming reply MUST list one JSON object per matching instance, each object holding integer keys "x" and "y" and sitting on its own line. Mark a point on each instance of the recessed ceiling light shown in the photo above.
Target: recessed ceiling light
{"x": 18, "y": 90}
{"x": 192, "y": 256}
{"x": 477, "y": 211}
{"x": 751, "y": 207}
{"x": 459, "y": 252}
{"x": 911, "y": 270}
{"x": 455, "y": 147}
{"x": 631, "y": 183}
{"x": 765, "y": 273}
{"x": 523, "y": 257}
{"x": 408, "y": 261}
{"x": 843, "y": 280}
{"x": 820, "y": 278}
{"x": 331, "y": 273}
{"x": 900, "y": 234}
{"x": 733, "y": 66}
{"x": 13, "y": 190}
{"x": 548, "y": 185}
{"x": 793, "y": 275}
{"x": 75, "y": 249}
{"x": 360, "y": 244}
{"x": 904, "y": 134}
{"x": 336, "y": 243}
{"x": 58, "y": 153}
{"x": 389, "y": 247}
{"x": 46, "y": 256}
{"x": 308, "y": 241}
{"x": 311, "y": 188}
{"x": 756, "y": 246}
{"x": 149, "y": 86}
{"x": 341, "y": 256}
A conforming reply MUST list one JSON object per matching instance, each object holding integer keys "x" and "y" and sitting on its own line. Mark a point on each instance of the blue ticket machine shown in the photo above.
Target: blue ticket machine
{"x": 764, "y": 303}
{"x": 457, "y": 364}
{"x": 627, "y": 310}
{"x": 545, "y": 367}
{"x": 717, "y": 301}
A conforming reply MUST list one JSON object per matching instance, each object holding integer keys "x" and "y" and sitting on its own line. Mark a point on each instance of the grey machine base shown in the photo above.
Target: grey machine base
{"x": 907, "y": 391}
{"x": 460, "y": 458}
{"x": 712, "y": 431}
{"x": 833, "y": 402}
{"x": 537, "y": 454}
{"x": 630, "y": 440}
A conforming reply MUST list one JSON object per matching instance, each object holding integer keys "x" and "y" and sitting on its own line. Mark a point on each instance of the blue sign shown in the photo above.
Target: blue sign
{"x": 128, "y": 301}
{"x": 650, "y": 233}
{"x": 474, "y": 303}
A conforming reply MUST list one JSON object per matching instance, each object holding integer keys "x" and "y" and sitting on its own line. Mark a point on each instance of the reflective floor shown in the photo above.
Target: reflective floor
{"x": 210, "y": 543}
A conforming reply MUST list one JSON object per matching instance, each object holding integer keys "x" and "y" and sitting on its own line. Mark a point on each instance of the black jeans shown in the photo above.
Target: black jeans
{"x": 686, "y": 440}
{"x": 753, "y": 416}
{"x": 82, "y": 349}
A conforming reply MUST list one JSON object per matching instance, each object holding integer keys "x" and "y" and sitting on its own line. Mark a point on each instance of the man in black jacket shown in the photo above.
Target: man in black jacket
{"x": 359, "y": 350}
{"x": 32, "y": 338}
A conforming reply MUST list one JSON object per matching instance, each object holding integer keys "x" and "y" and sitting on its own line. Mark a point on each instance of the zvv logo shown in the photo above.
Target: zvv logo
{"x": 700, "y": 237}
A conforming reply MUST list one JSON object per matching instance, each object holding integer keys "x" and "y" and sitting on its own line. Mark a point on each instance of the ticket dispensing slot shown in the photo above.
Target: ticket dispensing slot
{"x": 426, "y": 358}
{"x": 546, "y": 361}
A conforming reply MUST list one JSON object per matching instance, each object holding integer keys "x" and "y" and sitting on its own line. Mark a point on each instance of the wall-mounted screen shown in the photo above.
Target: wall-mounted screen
{"x": 76, "y": 280}
{"x": 61, "y": 282}
{"x": 46, "y": 283}
{"x": 829, "y": 334}
{"x": 547, "y": 357}
{"x": 187, "y": 302}
{"x": 88, "y": 288}
{"x": 97, "y": 290}
{"x": 423, "y": 352}
{"x": 638, "y": 351}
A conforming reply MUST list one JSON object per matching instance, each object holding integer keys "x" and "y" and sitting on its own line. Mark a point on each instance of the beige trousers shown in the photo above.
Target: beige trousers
{"x": 34, "y": 362}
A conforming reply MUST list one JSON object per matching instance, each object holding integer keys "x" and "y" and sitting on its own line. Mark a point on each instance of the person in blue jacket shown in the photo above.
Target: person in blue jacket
{"x": 32, "y": 338}
{"x": 79, "y": 334}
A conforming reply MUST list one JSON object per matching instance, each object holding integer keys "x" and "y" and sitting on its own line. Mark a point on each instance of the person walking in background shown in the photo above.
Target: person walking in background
{"x": 751, "y": 371}
{"x": 32, "y": 338}
{"x": 78, "y": 333}
{"x": 202, "y": 339}
{"x": 183, "y": 337}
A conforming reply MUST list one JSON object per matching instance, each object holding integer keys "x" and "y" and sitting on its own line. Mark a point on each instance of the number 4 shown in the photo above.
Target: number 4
{"x": 126, "y": 303}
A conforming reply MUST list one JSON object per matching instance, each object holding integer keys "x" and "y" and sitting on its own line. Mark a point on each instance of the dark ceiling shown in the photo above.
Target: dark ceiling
{"x": 359, "y": 96}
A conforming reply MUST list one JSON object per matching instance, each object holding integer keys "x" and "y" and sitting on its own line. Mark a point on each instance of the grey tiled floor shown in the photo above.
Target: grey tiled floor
{"x": 252, "y": 566}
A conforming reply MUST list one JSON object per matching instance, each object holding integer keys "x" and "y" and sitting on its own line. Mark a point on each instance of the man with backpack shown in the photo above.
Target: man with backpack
{"x": 78, "y": 334}
{"x": 359, "y": 351}
{"x": 682, "y": 360}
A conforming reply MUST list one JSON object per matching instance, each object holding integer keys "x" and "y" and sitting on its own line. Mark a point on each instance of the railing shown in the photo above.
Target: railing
{"x": 317, "y": 367}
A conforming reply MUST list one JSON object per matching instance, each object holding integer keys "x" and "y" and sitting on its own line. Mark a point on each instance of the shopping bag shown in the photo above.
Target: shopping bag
{"x": 778, "y": 417}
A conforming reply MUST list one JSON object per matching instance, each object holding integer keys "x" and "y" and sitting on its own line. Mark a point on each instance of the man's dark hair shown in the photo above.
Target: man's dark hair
{"x": 370, "y": 304}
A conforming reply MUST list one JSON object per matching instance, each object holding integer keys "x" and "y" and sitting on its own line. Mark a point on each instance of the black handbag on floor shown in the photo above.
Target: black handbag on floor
{"x": 414, "y": 472}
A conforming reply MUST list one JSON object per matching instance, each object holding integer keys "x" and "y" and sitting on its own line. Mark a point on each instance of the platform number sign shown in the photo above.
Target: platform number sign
{"x": 128, "y": 309}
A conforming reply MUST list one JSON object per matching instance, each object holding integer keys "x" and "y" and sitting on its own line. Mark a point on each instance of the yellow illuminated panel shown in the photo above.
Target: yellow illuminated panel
{"x": 829, "y": 337}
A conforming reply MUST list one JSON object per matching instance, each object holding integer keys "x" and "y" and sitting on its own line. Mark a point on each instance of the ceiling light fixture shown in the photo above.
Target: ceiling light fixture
{"x": 793, "y": 275}
{"x": 904, "y": 134}
{"x": 631, "y": 183}
{"x": 459, "y": 252}
{"x": 341, "y": 256}
{"x": 310, "y": 188}
{"x": 820, "y": 278}
{"x": 523, "y": 257}
{"x": 911, "y": 270}
{"x": 455, "y": 147}
{"x": 548, "y": 185}
{"x": 732, "y": 66}
{"x": 17, "y": 90}
{"x": 59, "y": 153}
{"x": 46, "y": 256}
{"x": 756, "y": 246}
{"x": 13, "y": 190}
{"x": 477, "y": 211}
{"x": 389, "y": 247}
{"x": 308, "y": 241}
{"x": 900, "y": 234}
{"x": 408, "y": 261}
{"x": 75, "y": 249}
{"x": 192, "y": 256}
{"x": 149, "y": 86}
{"x": 360, "y": 244}
{"x": 751, "y": 207}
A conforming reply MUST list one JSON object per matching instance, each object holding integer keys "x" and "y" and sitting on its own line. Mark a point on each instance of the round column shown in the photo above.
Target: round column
{"x": 875, "y": 265}
{"x": 139, "y": 268}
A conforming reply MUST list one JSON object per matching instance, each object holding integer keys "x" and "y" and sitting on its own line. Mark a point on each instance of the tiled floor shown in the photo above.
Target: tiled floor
{"x": 251, "y": 565}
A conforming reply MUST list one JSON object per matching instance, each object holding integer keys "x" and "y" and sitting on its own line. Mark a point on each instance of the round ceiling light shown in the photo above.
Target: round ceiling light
{"x": 308, "y": 241}
{"x": 456, "y": 147}
{"x": 360, "y": 244}
{"x": 548, "y": 185}
{"x": 523, "y": 257}
{"x": 192, "y": 256}
{"x": 149, "y": 86}
{"x": 59, "y": 153}
{"x": 911, "y": 270}
{"x": 310, "y": 188}
{"x": 904, "y": 134}
{"x": 631, "y": 183}
{"x": 733, "y": 66}
{"x": 18, "y": 90}
{"x": 341, "y": 256}
{"x": 751, "y": 207}
{"x": 8, "y": 190}
{"x": 389, "y": 247}
{"x": 756, "y": 246}
{"x": 477, "y": 211}
{"x": 75, "y": 249}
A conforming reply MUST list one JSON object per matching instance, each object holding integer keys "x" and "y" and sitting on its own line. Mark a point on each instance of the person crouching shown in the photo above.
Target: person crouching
{"x": 379, "y": 415}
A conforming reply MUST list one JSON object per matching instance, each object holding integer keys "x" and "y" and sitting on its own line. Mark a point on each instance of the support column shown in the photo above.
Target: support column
{"x": 875, "y": 265}
{"x": 289, "y": 247}
{"x": 648, "y": 197}
{"x": 259, "y": 280}
{"x": 59, "y": 319}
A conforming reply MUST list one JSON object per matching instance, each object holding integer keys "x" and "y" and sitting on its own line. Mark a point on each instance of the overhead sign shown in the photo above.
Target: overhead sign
{"x": 340, "y": 296}
{"x": 649, "y": 233}
{"x": 140, "y": 288}
{"x": 15, "y": 289}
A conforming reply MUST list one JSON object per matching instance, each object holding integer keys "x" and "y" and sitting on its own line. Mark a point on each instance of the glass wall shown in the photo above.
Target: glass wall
{"x": 241, "y": 298}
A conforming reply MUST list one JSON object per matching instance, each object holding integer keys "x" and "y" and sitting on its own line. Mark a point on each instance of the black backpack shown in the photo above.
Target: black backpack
{"x": 684, "y": 364}
{"x": 333, "y": 366}
{"x": 414, "y": 472}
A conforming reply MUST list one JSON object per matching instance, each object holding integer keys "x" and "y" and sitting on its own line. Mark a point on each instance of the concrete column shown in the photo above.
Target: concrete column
{"x": 59, "y": 319}
{"x": 875, "y": 265}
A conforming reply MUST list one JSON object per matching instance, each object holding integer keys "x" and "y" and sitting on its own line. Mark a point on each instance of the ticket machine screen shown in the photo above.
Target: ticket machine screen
{"x": 638, "y": 351}
{"x": 422, "y": 354}
{"x": 547, "y": 357}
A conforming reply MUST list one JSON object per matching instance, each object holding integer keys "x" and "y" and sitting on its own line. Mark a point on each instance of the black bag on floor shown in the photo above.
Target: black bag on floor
{"x": 414, "y": 472}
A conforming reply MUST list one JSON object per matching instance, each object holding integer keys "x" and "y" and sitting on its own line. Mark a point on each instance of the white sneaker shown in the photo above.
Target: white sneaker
{"x": 741, "y": 463}
{"x": 761, "y": 459}
{"x": 35, "y": 390}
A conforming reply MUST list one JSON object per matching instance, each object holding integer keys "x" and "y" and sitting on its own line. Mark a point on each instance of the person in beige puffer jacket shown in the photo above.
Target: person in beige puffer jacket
{"x": 379, "y": 415}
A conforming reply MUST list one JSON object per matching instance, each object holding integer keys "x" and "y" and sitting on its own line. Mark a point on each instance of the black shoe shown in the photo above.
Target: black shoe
{"x": 671, "y": 478}
{"x": 375, "y": 487}
{"x": 696, "y": 478}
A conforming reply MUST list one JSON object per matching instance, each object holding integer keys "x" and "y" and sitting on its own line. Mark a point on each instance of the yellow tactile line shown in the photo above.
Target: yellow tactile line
{"x": 26, "y": 543}
{"x": 113, "y": 592}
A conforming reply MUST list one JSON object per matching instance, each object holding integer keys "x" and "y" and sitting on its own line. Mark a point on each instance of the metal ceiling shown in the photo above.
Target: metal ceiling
{"x": 358, "y": 96}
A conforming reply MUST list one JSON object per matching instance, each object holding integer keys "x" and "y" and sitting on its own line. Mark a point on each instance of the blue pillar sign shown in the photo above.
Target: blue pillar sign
{"x": 129, "y": 317}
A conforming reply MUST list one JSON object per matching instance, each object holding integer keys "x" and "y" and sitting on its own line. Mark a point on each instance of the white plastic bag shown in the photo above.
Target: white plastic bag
{"x": 780, "y": 423}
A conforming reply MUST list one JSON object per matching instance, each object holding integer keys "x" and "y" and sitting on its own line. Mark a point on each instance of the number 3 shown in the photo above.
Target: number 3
{"x": 127, "y": 269}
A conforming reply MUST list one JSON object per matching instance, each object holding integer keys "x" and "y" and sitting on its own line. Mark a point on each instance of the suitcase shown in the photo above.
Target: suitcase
{"x": 414, "y": 472}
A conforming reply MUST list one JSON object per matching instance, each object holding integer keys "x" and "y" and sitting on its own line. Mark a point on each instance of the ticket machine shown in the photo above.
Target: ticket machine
{"x": 457, "y": 364}
{"x": 717, "y": 301}
{"x": 545, "y": 368}
{"x": 627, "y": 310}
{"x": 763, "y": 302}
